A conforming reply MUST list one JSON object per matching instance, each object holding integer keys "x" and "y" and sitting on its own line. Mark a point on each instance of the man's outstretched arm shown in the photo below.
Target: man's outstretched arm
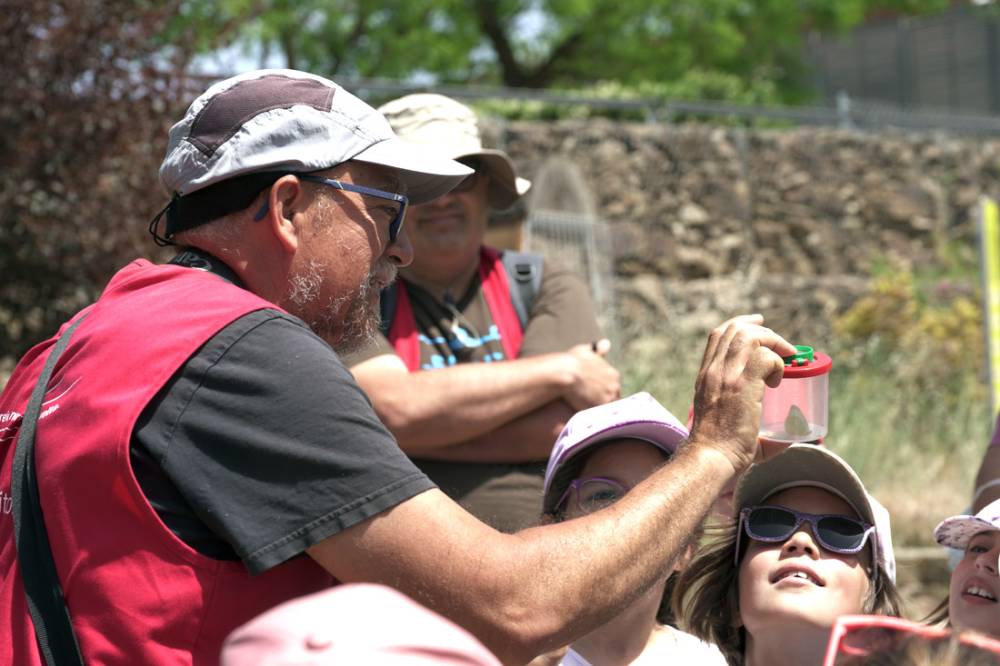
{"x": 533, "y": 591}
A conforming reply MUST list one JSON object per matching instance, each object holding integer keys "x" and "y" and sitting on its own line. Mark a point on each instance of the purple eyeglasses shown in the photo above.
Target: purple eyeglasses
{"x": 834, "y": 532}
{"x": 593, "y": 493}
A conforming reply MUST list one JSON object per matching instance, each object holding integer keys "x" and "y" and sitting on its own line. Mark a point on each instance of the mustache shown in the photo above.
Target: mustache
{"x": 383, "y": 274}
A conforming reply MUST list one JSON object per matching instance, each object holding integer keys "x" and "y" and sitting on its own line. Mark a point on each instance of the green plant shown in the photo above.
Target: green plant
{"x": 651, "y": 99}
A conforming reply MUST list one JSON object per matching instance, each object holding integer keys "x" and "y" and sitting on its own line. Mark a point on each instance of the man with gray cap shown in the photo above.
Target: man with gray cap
{"x": 188, "y": 451}
{"x": 188, "y": 443}
{"x": 469, "y": 377}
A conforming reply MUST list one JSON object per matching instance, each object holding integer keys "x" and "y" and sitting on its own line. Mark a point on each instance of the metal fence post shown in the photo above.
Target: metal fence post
{"x": 844, "y": 110}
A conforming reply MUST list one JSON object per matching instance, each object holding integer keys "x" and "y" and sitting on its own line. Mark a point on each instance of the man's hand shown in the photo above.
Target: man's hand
{"x": 740, "y": 357}
{"x": 596, "y": 381}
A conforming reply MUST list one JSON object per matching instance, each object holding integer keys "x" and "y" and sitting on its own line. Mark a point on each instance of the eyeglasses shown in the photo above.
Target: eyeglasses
{"x": 880, "y": 639}
{"x": 593, "y": 493}
{"x": 398, "y": 213}
{"x": 835, "y": 533}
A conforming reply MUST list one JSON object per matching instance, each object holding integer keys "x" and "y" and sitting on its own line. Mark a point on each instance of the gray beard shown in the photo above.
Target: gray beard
{"x": 347, "y": 322}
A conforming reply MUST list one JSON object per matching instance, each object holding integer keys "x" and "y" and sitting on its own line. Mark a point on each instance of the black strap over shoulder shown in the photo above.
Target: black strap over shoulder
{"x": 46, "y": 603}
{"x": 524, "y": 270}
{"x": 387, "y": 307}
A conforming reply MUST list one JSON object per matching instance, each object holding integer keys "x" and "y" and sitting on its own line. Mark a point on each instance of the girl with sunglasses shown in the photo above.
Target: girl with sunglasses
{"x": 600, "y": 455}
{"x": 974, "y": 591}
{"x": 807, "y": 544}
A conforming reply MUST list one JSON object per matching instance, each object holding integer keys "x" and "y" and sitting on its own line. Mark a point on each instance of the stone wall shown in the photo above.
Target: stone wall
{"x": 707, "y": 222}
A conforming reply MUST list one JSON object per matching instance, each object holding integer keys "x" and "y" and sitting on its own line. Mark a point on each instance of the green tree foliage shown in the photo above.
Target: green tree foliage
{"x": 541, "y": 43}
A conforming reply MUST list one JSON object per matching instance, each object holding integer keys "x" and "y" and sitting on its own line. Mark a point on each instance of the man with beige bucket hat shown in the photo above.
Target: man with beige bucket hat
{"x": 480, "y": 428}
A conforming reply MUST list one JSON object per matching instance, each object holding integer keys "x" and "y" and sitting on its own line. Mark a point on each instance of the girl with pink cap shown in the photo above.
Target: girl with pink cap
{"x": 600, "y": 455}
{"x": 973, "y": 594}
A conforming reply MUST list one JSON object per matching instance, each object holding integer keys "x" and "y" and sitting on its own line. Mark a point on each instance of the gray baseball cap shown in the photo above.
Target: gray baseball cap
{"x": 274, "y": 120}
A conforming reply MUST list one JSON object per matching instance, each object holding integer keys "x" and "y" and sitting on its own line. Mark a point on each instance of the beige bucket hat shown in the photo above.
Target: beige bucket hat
{"x": 451, "y": 129}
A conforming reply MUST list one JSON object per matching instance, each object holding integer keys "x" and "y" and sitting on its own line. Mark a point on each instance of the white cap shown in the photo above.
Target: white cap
{"x": 957, "y": 530}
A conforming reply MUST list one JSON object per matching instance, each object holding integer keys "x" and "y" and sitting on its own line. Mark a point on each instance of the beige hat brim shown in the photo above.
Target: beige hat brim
{"x": 803, "y": 465}
{"x": 505, "y": 187}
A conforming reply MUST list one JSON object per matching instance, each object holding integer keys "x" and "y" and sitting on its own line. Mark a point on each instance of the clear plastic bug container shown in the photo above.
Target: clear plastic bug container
{"x": 796, "y": 411}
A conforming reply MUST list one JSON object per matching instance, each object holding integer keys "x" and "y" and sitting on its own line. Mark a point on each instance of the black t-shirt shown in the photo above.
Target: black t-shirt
{"x": 263, "y": 445}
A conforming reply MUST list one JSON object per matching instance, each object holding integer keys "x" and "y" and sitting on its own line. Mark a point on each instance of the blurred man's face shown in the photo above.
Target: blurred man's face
{"x": 447, "y": 233}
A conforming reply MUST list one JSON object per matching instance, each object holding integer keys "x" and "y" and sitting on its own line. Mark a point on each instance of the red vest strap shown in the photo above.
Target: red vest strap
{"x": 496, "y": 291}
{"x": 403, "y": 335}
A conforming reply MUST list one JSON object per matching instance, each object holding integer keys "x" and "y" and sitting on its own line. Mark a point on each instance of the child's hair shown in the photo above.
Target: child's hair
{"x": 706, "y": 597}
{"x": 938, "y": 615}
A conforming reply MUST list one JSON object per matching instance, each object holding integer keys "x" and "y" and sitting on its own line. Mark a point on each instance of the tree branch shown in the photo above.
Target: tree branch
{"x": 360, "y": 27}
{"x": 489, "y": 22}
{"x": 514, "y": 73}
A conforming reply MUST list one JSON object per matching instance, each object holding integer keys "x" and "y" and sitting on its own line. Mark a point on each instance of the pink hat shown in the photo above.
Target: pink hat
{"x": 957, "y": 530}
{"x": 353, "y": 624}
{"x": 638, "y": 416}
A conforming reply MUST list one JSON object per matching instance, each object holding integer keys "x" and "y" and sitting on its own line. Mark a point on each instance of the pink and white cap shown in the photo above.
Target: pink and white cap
{"x": 353, "y": 624}
{"x": 638, "y": 416}
{"x": 957, "y": 530}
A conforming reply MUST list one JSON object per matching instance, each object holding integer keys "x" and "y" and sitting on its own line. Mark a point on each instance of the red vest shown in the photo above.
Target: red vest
{"x": 403, "y": 334}
{"x": 136, "y": 593}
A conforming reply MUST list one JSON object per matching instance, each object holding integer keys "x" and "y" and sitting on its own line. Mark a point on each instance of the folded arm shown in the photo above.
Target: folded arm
{"x": 431, "y": 410}
{"x": 527, "y": 438}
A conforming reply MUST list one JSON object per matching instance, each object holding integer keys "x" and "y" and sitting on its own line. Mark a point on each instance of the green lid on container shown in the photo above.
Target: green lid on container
{"x": 806, "y": 362}
{"x": 803, "y": 355}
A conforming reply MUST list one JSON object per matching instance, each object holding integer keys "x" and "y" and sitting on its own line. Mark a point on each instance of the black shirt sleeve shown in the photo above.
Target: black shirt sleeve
{"x": 263, "y": 445}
